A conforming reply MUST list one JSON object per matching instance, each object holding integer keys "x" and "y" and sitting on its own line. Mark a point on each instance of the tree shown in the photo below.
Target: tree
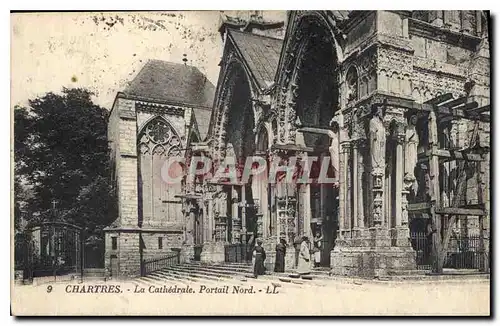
{"x": 61, "y": 156}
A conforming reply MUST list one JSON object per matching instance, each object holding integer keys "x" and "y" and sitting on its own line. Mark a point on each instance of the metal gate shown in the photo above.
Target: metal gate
{"x": 238, "y": 253}
{"x": 464, "y": 252}
{"x": 51, "y": 249}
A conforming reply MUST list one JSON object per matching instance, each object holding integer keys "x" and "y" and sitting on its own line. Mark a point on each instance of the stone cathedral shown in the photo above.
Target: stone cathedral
{"x": 359, "y": 87}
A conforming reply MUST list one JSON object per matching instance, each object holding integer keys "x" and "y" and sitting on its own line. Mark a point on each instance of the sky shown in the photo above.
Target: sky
{"x": 104, "y": 51}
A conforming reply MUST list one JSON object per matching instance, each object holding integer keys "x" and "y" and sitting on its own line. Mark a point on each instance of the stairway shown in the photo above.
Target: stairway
{"x": 241, "y": 273}
{"x": 229, "y": 273}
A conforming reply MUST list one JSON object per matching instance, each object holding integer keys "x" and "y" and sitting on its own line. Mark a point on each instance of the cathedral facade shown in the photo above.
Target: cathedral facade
{"x": 391, "y": 98}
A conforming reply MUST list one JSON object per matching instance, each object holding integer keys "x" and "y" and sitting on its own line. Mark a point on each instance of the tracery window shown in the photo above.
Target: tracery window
{"x": 157, "y": 142}
{"x": 158, "y": 138}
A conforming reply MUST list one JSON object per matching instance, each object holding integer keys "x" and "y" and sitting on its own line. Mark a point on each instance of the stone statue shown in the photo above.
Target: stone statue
{"x": 335, "y": 151}
{"x": 412, "y": 142}
{"x": 377, "y": 141}
{"x": 222, "y": 203}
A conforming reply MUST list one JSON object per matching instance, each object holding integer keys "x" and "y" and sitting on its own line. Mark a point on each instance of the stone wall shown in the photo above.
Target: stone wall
{"x": 169, "y": 241}
{"x": 213, "y": 252}
{"x": 371, "y": 255}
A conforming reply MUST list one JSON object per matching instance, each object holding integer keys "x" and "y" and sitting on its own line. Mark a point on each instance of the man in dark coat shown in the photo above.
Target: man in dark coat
{"x": 279, "y": 264}
{"x": 259, "y": 255}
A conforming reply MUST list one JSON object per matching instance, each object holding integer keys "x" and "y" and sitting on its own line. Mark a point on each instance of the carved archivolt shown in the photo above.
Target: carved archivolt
{"x": 233, "y": 69}
{"x": 159, "y": 138}
{"x": 293, "y": 62}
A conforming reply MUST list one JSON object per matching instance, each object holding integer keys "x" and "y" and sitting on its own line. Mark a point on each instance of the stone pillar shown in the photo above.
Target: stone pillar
{"x": 190, "y": 223}
{"x": 236, "y": 222}
{"x": 211, "y": 226}
{"x": 344, "y": 190}
{"x": 359, "y": 180}
{"x": 307, "y": 210}
{"x": 243, "y": 219}
{"x": 354, "y": 182}
{"x": 399, "y": 178}
{"x": 378, "y": 197}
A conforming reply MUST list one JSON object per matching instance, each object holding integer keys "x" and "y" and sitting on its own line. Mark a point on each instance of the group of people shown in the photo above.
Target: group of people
{"x": 304, "y": 255}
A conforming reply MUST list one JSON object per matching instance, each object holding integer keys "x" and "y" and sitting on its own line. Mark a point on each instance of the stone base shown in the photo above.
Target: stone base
{"x": 186, "y": 254}
{"x": 213, "y": 252}
{"x": 290, "y": 259}
{"x": 373, "y": 252}
{"x": 269, "y": 245}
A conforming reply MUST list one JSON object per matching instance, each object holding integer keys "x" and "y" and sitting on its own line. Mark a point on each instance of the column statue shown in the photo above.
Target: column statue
{"x": 340, "y": 135}
{"x": 335, "y": 151}
{"x": 377, "y": 141}
{"x": 412, "y": 142}
{"x": 377, "y": 138}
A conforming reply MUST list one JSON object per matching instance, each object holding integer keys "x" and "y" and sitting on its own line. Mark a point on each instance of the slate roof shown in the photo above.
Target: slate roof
{"x": 173, "y": 83}
{"x": 261, "y": 54}
{"x": 341, "y": 14}
{"x": 202, "y": 116}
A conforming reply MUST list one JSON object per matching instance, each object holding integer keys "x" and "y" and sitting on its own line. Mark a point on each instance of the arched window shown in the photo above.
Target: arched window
{"x": 352, "y": 84}
{"x": 157, "y": 203}
{"x": 262, "y": 140}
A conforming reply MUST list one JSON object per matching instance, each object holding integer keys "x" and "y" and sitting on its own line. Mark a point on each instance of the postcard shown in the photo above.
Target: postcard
{"x": 251, "y": 163}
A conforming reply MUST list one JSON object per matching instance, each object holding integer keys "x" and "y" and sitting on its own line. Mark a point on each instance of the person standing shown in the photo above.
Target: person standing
{"x": 304, "y": 264}
{"x": 259, "y": 256}
{"x": 318, "y": 243}
{"x": 279, "y": 265}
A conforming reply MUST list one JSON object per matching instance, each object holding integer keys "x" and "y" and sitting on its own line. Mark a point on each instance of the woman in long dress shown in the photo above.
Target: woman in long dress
{"x": 317, "y": 248}
{"x": 279, "y": 265}
{"x": 304, "y": 264}
{"x": 259, "y": 256}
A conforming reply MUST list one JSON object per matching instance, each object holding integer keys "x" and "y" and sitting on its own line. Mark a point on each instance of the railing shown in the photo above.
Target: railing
{"x": 154, "y": 264}
{"x": 463, "y": 252}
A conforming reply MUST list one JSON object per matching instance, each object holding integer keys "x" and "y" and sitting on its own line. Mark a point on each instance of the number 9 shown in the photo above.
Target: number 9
{"x": 49, "y": 288}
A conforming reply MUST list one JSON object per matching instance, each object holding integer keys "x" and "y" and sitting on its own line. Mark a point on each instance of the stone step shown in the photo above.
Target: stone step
{"x": 162, "y": 279}
{"x": 208, "y": 271}
{"x": 175, "y": 276}
{"x": 409, "y": 272}
{"x": 202, "y": 272}
{"x": 248, "y": 272}
{"x": 241, "y": 276}
{"x": 230, "y": 268}
{"x": 192, "y": 276}
{"x": 167, "y": 278}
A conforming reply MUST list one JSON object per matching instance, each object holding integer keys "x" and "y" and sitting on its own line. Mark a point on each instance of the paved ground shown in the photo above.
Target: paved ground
{"x": 335, "y": 297}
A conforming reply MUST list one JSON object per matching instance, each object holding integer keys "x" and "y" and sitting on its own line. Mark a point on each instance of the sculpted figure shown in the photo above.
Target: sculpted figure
{"x": 335, "y": 151}
{"x": 412, "y": 142}
{"x": 337, "y": 124}
{"x": 377, "y": 140}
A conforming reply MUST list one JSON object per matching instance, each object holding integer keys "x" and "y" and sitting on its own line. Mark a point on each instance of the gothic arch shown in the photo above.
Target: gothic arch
{"x": 236, "y": 95}
{"x": 263, "y": 137}
{"x": 307, "y": 31}
{"x": 352, "y": 84}
{"x": 157, "y": 140}
{"x": 157, "y": 136}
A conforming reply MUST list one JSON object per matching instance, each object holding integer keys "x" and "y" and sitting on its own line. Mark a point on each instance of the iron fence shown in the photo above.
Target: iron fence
{"x": 237, "y": 253}
{"x": 50, "y": 249}
{"x": 154, "y": 264}
{"x": 463, "y": 252}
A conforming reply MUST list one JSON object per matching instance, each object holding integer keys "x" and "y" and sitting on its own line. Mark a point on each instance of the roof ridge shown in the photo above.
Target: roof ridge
{"x": 172, "y": 63}
{"x": 253, "y": 34}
